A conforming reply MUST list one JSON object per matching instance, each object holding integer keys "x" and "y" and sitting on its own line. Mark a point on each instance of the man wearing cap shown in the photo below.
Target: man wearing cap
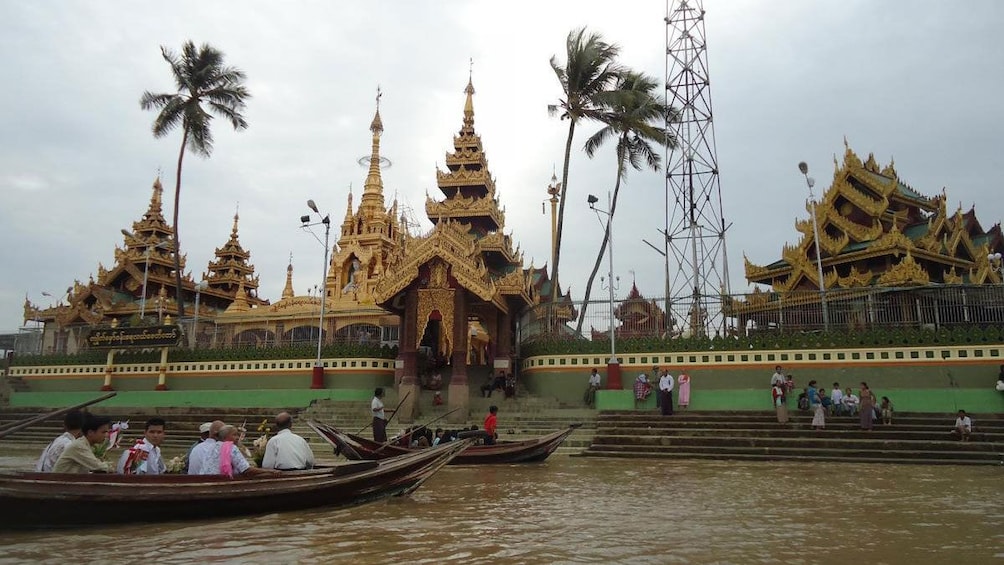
{"x": 286, "y": 451}
{"x": 200, "y": 453}
{"x": 203, "y": 435}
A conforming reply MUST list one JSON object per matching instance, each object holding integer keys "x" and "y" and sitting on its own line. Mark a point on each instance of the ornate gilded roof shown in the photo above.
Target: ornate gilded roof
{"x": 876, "y": 230}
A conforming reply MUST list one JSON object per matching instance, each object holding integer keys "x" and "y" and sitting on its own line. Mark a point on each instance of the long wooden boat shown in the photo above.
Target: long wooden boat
{"x": 40, "y": 500}
{"x": 358, "y": 448}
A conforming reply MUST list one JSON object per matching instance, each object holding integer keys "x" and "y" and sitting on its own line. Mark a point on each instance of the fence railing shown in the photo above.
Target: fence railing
{"x": 932, "y": 308}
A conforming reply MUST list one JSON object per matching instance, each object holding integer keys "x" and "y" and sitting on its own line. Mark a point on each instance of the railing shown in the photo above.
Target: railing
{"x": 852, "y": 310}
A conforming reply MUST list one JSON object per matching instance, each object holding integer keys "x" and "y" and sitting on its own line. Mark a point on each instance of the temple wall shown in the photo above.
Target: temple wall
{"x": 273, "y": 374}
{"x": 916, "y": 379}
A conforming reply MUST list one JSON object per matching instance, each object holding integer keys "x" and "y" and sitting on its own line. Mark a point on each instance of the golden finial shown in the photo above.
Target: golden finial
{"x": 233, "y": 231}
{"x": 377, "y": 125}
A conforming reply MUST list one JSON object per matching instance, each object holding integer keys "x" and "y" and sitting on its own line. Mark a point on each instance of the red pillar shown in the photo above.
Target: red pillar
{"x": 614, "y": 375}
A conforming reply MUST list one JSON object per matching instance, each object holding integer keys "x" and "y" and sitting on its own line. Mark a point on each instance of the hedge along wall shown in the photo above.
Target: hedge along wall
{"x": 211, "y": 375}
{"x": 193, "y": 398}
{"x": 917, "y": 379}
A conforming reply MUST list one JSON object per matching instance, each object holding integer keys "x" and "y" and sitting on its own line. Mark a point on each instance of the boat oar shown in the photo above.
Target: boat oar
{"x": 412, "y": 432}
{"x": 32, "y": 421}
{"x": 406, "y": 395}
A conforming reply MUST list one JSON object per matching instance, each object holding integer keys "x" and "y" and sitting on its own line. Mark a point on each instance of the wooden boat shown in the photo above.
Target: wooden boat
{"x": 39, "y": 500}
{"x": 355, "y": 447}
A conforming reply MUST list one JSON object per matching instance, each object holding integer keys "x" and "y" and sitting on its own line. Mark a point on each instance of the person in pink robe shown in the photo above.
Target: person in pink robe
{"x": 683, "y": 391}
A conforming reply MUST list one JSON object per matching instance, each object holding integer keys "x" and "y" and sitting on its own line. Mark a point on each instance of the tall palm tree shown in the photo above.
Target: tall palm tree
{"x": 206, "y": 86}
{"x": 634, "y": 114}
{"x": 590, "y": 69}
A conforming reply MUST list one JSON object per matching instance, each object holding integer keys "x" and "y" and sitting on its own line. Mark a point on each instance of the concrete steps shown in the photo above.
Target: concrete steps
{"x": 912, "y": 438}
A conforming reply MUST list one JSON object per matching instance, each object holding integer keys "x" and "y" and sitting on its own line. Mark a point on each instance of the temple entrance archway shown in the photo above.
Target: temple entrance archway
{"x": 254, "y": 338}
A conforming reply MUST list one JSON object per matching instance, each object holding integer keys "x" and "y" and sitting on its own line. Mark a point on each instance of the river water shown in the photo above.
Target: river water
{"x": 580, "y": 510}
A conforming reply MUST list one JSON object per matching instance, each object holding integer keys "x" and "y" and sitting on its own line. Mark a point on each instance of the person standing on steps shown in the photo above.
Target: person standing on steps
{"x": 379, "y": 416}
{"x": 777, "y": 377}
{"x": 592, "y": 387}
{"x": 683, "y": 391}
{"x": 666, "y": 393}
{"x": 867, "y": 407}
{"x": 780, "y": 404}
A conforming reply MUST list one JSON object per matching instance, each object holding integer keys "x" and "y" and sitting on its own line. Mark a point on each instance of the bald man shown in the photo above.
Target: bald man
{"x": 287, "y": 451}
{"x": 200, "y": 454}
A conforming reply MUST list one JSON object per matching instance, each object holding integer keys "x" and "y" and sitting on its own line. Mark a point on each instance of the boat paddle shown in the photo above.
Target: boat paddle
{"x": 412, "y": 432}
{"x": 394, "y": 413}
{"x": 18, "y": 426}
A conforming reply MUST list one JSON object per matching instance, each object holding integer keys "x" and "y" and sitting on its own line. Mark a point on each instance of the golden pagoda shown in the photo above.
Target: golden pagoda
{"x": 117, "y": 295}
{"x": 875, "y": 231}
{"x": 369, "y": 237}
{"x": 463, "y": 274}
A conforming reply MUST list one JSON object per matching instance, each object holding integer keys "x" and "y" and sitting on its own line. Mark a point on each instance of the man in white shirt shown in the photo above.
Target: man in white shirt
{"x": 200, "y": 453}
{"x": 379, "y": 416}
{"x": 666, "y": 393}
{"x": 777, "y": 378}
{"x": 963, "y": 426}
{"x": 286, "y": 451}
{"x": 837, "y": 399}
{"x": 144, "y": 457}
{"x": 594, "y": 385}
{"x": 72, "y": 422}
{"x": 850, "y": 402}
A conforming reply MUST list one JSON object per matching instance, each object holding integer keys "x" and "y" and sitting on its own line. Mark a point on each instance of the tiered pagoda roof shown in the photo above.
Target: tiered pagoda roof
{"x": 877, "y": 231}
{"x": 117, "y": 293}
{"x": 467, "y": 230}
{"x": 230, "y": 271}
{"x": 638, "y": 317}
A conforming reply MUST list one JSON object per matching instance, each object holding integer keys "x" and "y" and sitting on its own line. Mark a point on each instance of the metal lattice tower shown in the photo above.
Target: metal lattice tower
{"x": 695, "y": 224}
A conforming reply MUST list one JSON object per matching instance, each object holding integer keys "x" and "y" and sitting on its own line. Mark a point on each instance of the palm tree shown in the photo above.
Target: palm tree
{"x": 589, "y": 70}
{"x": 204, "y": 83}
{"x": 636, "y": 116}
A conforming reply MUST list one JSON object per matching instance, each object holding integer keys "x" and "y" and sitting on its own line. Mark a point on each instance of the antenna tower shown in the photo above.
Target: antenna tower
{"x": 695, "y": 224}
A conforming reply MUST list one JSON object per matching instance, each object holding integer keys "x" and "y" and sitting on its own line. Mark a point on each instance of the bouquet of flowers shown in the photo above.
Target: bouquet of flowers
{"x": 258, "y": 453}
{"x": 176, "y": 465}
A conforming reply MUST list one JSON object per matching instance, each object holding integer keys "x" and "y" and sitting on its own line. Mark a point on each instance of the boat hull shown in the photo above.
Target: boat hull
{"x": 358, "y": 448}
{"x": 38, "y": 500}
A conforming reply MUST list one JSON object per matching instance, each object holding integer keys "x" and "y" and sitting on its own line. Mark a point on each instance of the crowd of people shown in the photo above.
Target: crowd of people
{"x": 218, "y": 450}
{"x": 839, "y": 402}
{"x": 661, "y": 382}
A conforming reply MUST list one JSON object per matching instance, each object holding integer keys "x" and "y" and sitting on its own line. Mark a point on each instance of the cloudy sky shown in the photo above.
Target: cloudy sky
{"x": 917, "y": 80}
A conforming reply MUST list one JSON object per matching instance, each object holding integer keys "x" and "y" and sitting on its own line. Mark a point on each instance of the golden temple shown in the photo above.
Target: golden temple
{"x": 454, "y": 293}
{"x": 875, "y": 231}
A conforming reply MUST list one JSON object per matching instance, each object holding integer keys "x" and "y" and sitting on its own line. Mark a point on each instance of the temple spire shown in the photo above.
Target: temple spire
{"x": 372, "y": 199}
{"x": 287, "y": 292}
{"x": 468, "y": 127}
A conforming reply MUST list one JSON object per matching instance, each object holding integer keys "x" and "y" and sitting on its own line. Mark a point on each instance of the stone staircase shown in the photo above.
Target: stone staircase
{"x": 912, "y": 438}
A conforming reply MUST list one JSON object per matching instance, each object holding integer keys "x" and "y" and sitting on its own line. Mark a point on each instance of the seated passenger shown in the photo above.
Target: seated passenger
{"x": 286, "y": 451}
{"x": 226, "y": 459}
{"x": 144, "y": 458}
{"x": 72, "y": 423}
{"x": 78, "y": 457}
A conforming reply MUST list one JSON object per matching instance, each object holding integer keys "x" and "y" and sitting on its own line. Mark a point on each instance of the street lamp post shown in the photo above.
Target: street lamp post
{"x": 804, "y": 168}
{"x": 613, "y": 365}
{"x": 146, "y": 268}
{"x": 203, "y": 285}
{"x": 317, "y": 375}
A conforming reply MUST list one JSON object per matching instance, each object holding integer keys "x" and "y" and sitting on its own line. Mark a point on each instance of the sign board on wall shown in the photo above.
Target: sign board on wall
{"x": 134, "y": 338}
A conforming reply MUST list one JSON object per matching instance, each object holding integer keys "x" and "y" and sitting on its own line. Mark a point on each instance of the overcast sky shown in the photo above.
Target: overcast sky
{"x": 915, "y": 80}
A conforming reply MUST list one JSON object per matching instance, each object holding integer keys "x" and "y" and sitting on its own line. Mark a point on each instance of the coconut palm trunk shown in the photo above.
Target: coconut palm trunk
{"x": 603, "y": 246}
{"x": 179, "y": 296}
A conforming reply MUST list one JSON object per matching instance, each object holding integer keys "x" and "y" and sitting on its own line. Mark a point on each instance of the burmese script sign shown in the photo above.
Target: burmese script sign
{"x": 125, "y": 338}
